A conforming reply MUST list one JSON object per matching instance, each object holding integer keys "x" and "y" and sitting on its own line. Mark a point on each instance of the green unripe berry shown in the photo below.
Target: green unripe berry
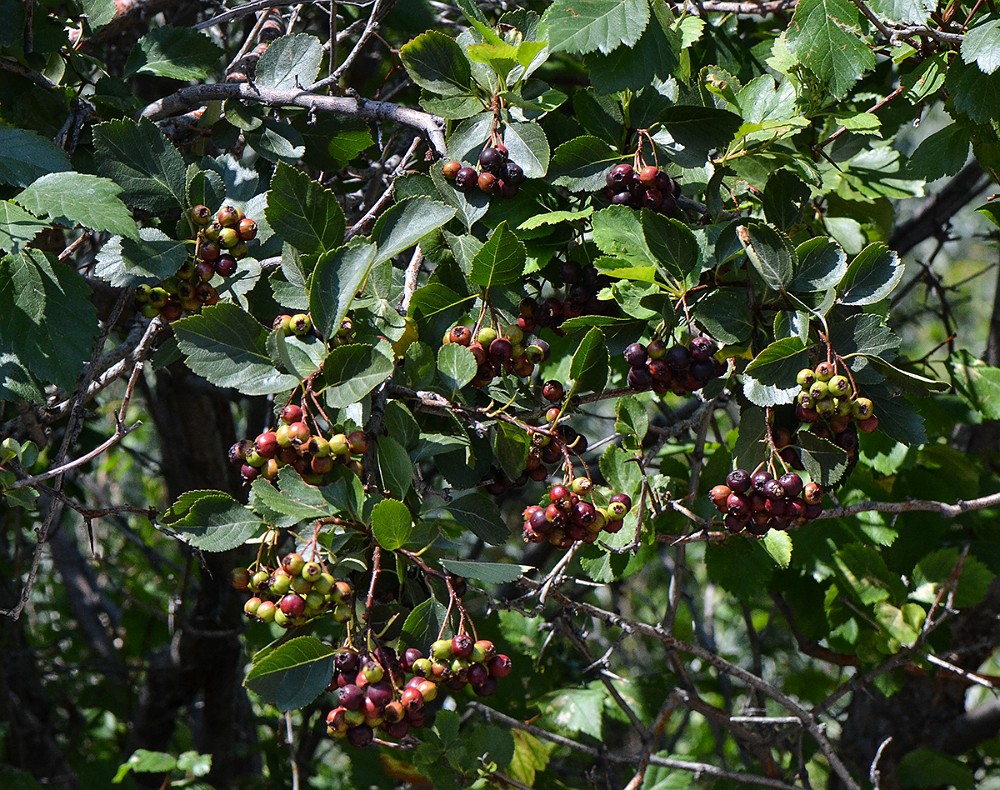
{"x": 806, "y": 378}
{"x": 818, "y": 391}
{"x": 281, "y": 582}
{"x": 581, "y": 486}
{"x": 339, "y": 445}
{"x": 282, "y": 619}
{"x": 266, "y": 611}
{"x": 259, "y": 578}
{"x": 372, "y": 671}
{"x": 486, "y": 336}
{"x": 251, "y": 606}
{"x": 617, "y": 510}
{"x": 862, "y": 408}
{"x": 825, "y": 408}
{"x": 301, "y": 324}
{"x": 293, "y": 563}
{"x": 441, "y": 649}
{"x": 142, "y": 293}
{"x": 228, "y": 238}
{"x": 824, "y": 371}
{"x": 158, "y": 297}
{"x": 301, "y": 585}
{"x": 324, "y": 584}
{"x": 311, "y": 571}
{"x": 839, "y": 386}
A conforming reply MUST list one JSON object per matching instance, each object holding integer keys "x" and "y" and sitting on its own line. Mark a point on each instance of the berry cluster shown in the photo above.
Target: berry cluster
{"x": 547, "y": 450}
{"x": 498, "y": 352}
{"x": 678, "y": 369}
{"x": 461, "y": 662}
{"x": 582, "y": 284}
{"x": 649, "y": 187}
{"x": 759, "y": 501}
{"x": 830, "y": 398}
{"x": 568, "y": 517}
{"x": 294, "y": 592}
{"x": 497, "y": 174}
{"x": 368, "y": 697}
{"x": 292, "y": 444}
{"x": 221, "y": 241}
{"x": 301, "y": 324}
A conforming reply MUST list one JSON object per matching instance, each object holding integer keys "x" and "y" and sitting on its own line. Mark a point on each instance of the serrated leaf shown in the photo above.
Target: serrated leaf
{"x": 576, "y": 710}
{"x": 335, "y": 282}
{"x": 302, "y": 212}
{"x": 824, "y": 36}
{"x": 80, "y": 199}
{"x": 300, "y": 356}
{"x": 925, "y": 767}
{"x": 145, "y": 761}
{"x": 822, "y": 264}
{"x": 740, "y": 567}
{"x": 480, "y": 514}
{"x": 394, "y": 466}
{"x": 778, "y": 544}
{"x": 942, "y": 154}
{"x": 293, "y": 674}
{"x": 631, "y": 418}
{"x": 581, "y": 26}
{"x": 99, "y": 12}
{"x": 406, "y": 223}
{"x": 769, "y": 379}
{"x": 16, "y": 383}
{"x": 725, "y": 314}
{"x": 590, "y": 364}
{"x": 27, "y": 156}
{"x": 906, "y": 380}
{"x": 975, "y": 94}
{"x": 582, "y": 164}
{"x": 910, "y": 12}
{"x": 652, "y": 58}
{"x": 700, "y": 129}
{"x": 290, "y": 62}
{"x": 977, "y": 382}
{"x": 178, "y": 53}
{"x": 618, "y": 232}
{"x": 982, "y": 45}
{"x": 825, "y": 462}
{"x": 510, "y": 445}
{"x": 673, "y": 246}
{"x": 351, "y": 372}
{"x": 227, "y": 346}
{"x": 489, "y": 572}
{"x": 620, "y": 470}
{"x": 555, "y": 218}
{"x": 501, "y": 259}
{"x": 770, "y": 253}
{"x": 529, "y": 147}
{"x": 436, "y": 63}
{"x": 291, "y": 503}
{"x": 469, "y": 206}
{"x": 17, "y": 226}
{"x": 423, "y": 624}
{"x": 214, "y": 521}
{"x": 126, "y": 263}
{"x": 457, "y": 366}
{"x": 140, "y": 159}
{"x": 391, "y": 522}
{"x": 872, "y": 276}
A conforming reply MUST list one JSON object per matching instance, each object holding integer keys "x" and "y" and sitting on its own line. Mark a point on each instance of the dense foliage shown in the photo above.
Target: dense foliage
{"x": 530, "y": 394}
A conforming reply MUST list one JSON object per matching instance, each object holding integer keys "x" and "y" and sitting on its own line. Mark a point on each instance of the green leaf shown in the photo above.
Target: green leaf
{"x": 977, "y": 382}
{"x": 786, "y": 197}
{"x": 865, "y": 333}
{"x": 143, "y": 761}
{"x": 27, "y": 156}
{"x": 700, "y": 129}
{"x": 293, "y": 674}
{"x": 300, "y": 356}
{"x": 975, "y": 94}
{"x": 480, "y": 514}
{"x": 652, "y": 58}
{"x": 16, "y": 382}
{"x": 501, "y": 259}
{"x": 80, "y": 199}
{"x": 302, "y": 212}
{"x": 982, "y": 45}
{"x": 489, "y": 572}
{"x": 406, "y": 223}
{"x": 941, "y": 154}
{"x": 394, "y": 465}
{"x": 725, "y": 314}
{"x": 822, "y": 264}
{"x": 576, "y": 710}
{"x": 555, "y": 218}
{"x": 740, "y": 567}
{"x": 582, "y": 164}
{"x": 531, "y": 756}
{"x": 147, "y": 166}
{"x": 469, "y": 206}
{"x": 510, "y": 445}
{"x": 825, "y": 462}
{"x": 631, "y": 418}
{"x": 423, "y": 624}
{"x": 46, "y": 317}
{"x": 909, "y": 12}
{"x": 335, "y": 281}
{"x": 457, "y": 366}
{"x": 99, "y": 12}
{"x": 351, "y": 372}
{"x": 778, "y": 544}
{"x": 227, "y": 346}
{"x": 824, "y": 36}
{"x": 769, "y": 379}
{"x": 618, "y": 231}
{"x": 291, "y": 503}
{"x": 214, "y": 521}
{"x": 17, "y": 226}
{"x": 935, "y": 571}
{"x": 770, "y": 253}
{"x": 581, "y": 26}
{"x": 178, "y": 53}
{"x": 125, "y": 263}
{"x": 930, "y": 768}
{"x": 391, "y": 522}
{"x": 590, "y": 364}
{"x": 673, "y": 245}
{"x": 527, "y": 145}
{"x": 620, "y": 470}
{"x": 436, "y": 63}
{"x": 872, "y": 276}
{"x": 290, "y": 62}
{"x": 908, "y": 381}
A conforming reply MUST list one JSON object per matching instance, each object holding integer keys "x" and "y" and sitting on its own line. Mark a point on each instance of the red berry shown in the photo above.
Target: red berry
{"x": 552, "y": 391}
{"x": 450, "y": 169}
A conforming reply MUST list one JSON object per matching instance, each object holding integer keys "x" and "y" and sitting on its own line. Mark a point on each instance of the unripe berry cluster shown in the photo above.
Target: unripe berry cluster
{"x": 369, "y": 697}
{"x": 185, "y": 292}
{"x": 568, "y": 517}
{"x": 462, "y": 662}
{"x": 825, "y": 396}
{"x": 294, "y": 592}
{"x": 301, "y": 325}
{"x": 310, "y": 454}
{"x": 759, "y": 501}
{"x": 649, "y": 187}
{"x": 678, "y": 368}
{"x": 497, "y": 174}
{"x": 547, "y": 451}
{"x": 496, "y": 353}
{"x": 579, "y": 297}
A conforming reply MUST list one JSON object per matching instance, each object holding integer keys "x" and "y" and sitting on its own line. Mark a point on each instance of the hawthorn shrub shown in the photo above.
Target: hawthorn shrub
{"x": 537, "y": 394}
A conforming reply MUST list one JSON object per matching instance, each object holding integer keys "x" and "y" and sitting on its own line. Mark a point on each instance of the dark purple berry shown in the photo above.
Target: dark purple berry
{"x": 791, "y": 484}
{"x": 738, "y": 480}
{"x": 466, "y": 179}
{"x": 635, "y": 354}
{"x": 513, "y": 174}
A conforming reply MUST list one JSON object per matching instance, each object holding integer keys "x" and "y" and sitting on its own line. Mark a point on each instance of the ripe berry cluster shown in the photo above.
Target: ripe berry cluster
{"x": 221, "y": 241}
{"x": 294, "y": 592}
{"x": 499, "y": 352}
{"x": 582, "y": 284}
{"x": 568, "y": 517}
{"x": 759, "y": 501}
{"x": 679, "y": 369}
{"x": 368, "y": 697}
{"x": 830, "y": 398}
{"x": 649, "y": 187}
{"x": 292, "y": 444}
{"x": 547, "y": 451}
{"x": 497, "y": 174}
